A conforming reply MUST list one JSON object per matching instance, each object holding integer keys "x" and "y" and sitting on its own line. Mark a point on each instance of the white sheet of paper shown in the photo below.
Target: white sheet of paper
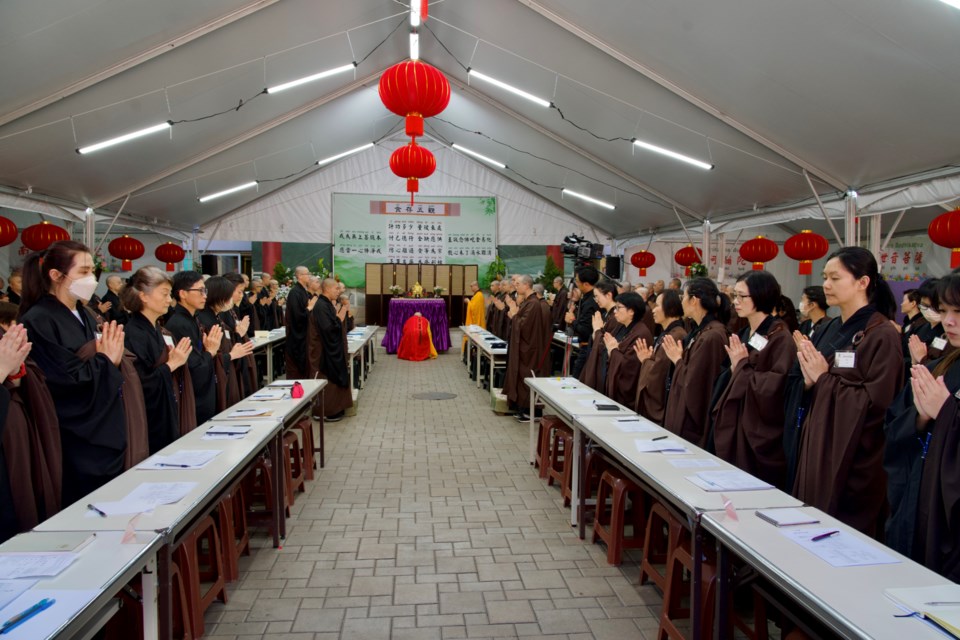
{"x": 226, "y": 432}
{"x": 249, "y": 413}
{"x": 270, "y": 394}
{"x": 563, "y": 381}
{"x": 185, "y": 458}
{"x": 14, "y": 566}
{"x": 840, "y": 550}
{"x": 638, "y": 425}
{"x": 728, "y": 480}
{"x": 578, "y": 391}
{"x": 44, "y": 624}
{"x": 10, "y": 590}
{"x": 281, "y": 383}
{"x": 147, "y": 497}
{"x": 692, "y": 463}
{"x": 657, "y": 446}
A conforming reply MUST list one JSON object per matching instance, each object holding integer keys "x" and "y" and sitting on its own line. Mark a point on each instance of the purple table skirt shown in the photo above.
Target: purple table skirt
{"x": 433, "y": 309}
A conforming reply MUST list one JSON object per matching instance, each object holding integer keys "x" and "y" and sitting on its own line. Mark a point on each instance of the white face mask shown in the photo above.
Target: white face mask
{"x": 84, "y": 287}
{"x": 803, "y": 308}
{"x": 930, "y": 315}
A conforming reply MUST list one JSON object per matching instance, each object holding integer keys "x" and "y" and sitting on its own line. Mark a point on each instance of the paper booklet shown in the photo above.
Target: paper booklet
{"x": 786, "y": 517}
{"x": 940, "y": 604}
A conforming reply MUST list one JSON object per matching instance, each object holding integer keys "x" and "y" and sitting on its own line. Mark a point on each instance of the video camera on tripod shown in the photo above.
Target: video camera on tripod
{"x": 582, "y": 251}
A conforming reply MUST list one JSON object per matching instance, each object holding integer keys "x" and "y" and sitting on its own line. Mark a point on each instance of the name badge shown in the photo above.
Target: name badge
{"x": 98, "y": 335}
{"x": 939, "y": 343}
{"x": 168, "y": 340}
{"x": 758, "y": 342}
{"x": 845, "y": 359}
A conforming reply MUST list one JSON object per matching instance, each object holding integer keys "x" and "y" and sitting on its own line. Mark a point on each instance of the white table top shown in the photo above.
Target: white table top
{"x": 102, "y": 567}
{"x": 481, "y": 337}
{"x": 657, "y": 470}
{"x": 570, "y": 397}
{"x": 849, "y": 599}
{"x": 563, "y": 338}
{"x": 358, "y": 338}
{"x": 276, "y": 335}
{"x": 281, "y": 408}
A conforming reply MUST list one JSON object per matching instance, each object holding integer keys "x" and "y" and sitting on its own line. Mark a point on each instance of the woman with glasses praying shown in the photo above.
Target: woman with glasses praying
{"x": 190, "y": 294}
{"x": 929, "y": 342}
{"x": 748, "y": 417}
{"x": 656, "y": 369}
{"x": 623, "y": 369}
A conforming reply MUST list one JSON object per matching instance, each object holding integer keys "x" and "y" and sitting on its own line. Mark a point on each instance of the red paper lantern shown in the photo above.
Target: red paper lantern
{"x": 415, "y": 90}
{"x": 687, "y": 256}
{"x": 758, "y": 251}
{"x": 642, "y": 260}
{"x": 170, "y": 253}
{"x": 945, "y": 231}
{"x": 806, "y": 247}
{"x": 8, "y": 231}
{"x": 127, "y": 249}
{"x": 40, "y": 236}
{"x": 414, "y": 163}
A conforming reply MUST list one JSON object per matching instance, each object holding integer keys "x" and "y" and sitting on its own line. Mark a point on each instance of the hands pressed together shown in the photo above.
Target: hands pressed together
{"x": 110, "y": 343}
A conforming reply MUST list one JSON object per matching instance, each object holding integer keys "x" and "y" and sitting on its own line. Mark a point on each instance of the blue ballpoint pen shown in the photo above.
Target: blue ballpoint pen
{"x": 22, "y": 617}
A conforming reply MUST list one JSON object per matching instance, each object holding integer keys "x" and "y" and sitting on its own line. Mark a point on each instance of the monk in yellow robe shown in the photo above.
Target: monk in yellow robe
{"x": 476, "y": 311}
{"x": 417, "y": 341}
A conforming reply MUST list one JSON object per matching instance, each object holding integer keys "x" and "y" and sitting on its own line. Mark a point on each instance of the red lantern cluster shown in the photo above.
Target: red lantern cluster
{"x": 415, "y": 90}
{"x": 170, "y": 253}
{"x": 40, "y": 236}
{"x": 687, "y": 256}
{"x": 8, "y": 231}
{"x": 414, "y": 163}
{"x": 127, "y": 249}
{"x": 945, "y": 231}
{"x": 806, "y": 247}
{"x": 643, "y": 260}
{"x": 758, "y": 251}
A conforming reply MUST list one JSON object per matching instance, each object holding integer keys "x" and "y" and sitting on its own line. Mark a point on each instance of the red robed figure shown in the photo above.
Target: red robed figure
{"x": 417, "y": 341}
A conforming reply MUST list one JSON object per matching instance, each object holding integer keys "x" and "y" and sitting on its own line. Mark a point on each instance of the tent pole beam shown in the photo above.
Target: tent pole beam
{"x": 112, "y": 222}
{"x": 822, "y": 210}
{"x": 896, "y": 223}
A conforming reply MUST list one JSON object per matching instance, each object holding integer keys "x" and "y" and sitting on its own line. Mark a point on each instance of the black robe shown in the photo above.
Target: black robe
{"x": 182, "y": 324}
{"x": 225, "y": 371}
{"x": 87, "y": 394}
{"x": 296, "y": 321}
{"x": 8, "y": 515}
{"x": 582, "y": 327}
{"x": 245, "y": 310}
{"x": 116, "y": 312}
{"x": 246, "y": 366}
{"x": 559, "y": 309}
{"x": 327, "y": 356}
{"x": 146, "y": 343}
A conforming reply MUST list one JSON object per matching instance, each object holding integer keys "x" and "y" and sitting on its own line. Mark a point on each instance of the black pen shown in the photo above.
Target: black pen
{"x": 179, "y": 466}
{"x": 660, "y": 438}
{"x": 103, "y": 514}
{"x": 823, "y": 536}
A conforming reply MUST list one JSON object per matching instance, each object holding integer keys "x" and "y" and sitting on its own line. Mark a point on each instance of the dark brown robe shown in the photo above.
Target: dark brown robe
{"x": 31, "y": 445}
{"x": 623, "y": 370}
{"x": 688, "y": 404}
{"x": 748, "y": 417}
{"x": 594, "y": 372}
{"x": 937, "y": 541}
{"x": 528, "y": 352}
{"x": 228, "y": 391}
{"x": 559, "y": 309}
{"x": 840, "y": 469}
{"x": 246, "y": 366}
{"x": 327, "y": 356}
{"x": 652, "y": 387}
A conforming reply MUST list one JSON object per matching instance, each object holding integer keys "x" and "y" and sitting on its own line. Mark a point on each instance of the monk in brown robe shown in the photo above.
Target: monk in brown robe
{"x": 492, "y": 319}
{"x": 327, "y": 352}
{"x": 840, "y": 469}
{"x": 656, "y": 369}
{"x": 559, "y": 308}
{"x": 697, "y": 361}
{"x": 623, "y": 370}
{"x": 528, "y": 353}
{"x": 594, "y": 372}
{"x": 748, "y": 417}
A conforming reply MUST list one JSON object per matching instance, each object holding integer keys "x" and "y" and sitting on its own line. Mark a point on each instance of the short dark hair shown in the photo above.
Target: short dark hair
{"x": 913, "y": 295}
{"x": 183, "y": 281}
{"x": 234, "y": 278}
{"x": 219, "y": 292}
{"x": 816, "y": 295}
{"x": 8, "y": 312}
{"x": 671, "y": 304}
{"x": 763, "y": 288}
{"x": 634, "y": 301}
{"x": 588, "y": 275}
{"x": 929, "y": 289}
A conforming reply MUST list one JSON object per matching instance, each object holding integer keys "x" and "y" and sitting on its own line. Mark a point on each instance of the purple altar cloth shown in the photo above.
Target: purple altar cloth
{"x": 433, "y": 309}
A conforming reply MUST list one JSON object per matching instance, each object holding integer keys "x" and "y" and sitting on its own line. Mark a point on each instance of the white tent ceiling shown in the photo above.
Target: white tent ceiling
{"x": 855, "y": 92}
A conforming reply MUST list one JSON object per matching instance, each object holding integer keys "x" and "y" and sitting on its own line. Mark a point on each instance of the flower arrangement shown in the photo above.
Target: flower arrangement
{"x": 438, "y": 291}
{"x": 395, "y": 289}
{"x": 99, "y": 265}
{"x": 698, "y": 270}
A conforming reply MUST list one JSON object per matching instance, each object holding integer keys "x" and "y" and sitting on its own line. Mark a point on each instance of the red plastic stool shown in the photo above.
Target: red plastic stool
{"x": 595, "y": 463}
{"x": 662, "y": 536}
{"x": 305, "y": 428}
{"x": 609, "y": 525}
{"x": 547, "y": 425}
{"x": 560, "y": 463}
{"x": 294, "y": 477}
{"x": 201, "y": 545}
{"x": 680, "y": 562}
{"x": 232, "y": 514}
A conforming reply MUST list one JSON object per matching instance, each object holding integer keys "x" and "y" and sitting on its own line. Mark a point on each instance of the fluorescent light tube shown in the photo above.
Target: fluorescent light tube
{"x": 125, "y": 137}
{"x": 479, "y": 156}
{"x": 226, "y": 192}
{"x": 320, "y": 163}
{"x": 414, "y": 13}
{"x": 953, "y": 3}
{"x": 607, "y": 205}
{"x": 673, "y": 154}
{"x": 316, "y": 76}
{"x": 414, "y": 46}
{"x": 510, "y": 88}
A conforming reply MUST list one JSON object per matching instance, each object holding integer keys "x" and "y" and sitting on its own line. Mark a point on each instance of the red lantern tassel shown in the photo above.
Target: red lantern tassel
{"x": 424, "y": 4}
{"x": 758, "y": 266}
{"x": 413, "y": 186}
{"x": 414, "y": 125}
{"x": 955, "y": 258}
{"x": 643, "y": 272}
{"x": 126, "y": 265}
{"x": 806, "y": 267}
{"x": 687, "y": 272}
{"x": 170, "y": 266}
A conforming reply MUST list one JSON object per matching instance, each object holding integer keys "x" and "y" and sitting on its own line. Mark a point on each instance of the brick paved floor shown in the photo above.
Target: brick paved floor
{"x": 428, "y": 522}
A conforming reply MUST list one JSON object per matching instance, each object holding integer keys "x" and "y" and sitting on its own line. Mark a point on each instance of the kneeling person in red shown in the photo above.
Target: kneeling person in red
{"x": 417, "y": 341}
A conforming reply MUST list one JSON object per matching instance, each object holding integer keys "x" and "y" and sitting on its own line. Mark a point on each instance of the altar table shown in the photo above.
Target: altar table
{"x": 433, "y": 309}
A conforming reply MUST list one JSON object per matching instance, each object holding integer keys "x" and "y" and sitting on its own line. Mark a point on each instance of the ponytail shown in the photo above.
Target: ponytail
{"x": 860, "y": 262}
{"x": 36, "y": 270}
{"x": 712, "y": 301}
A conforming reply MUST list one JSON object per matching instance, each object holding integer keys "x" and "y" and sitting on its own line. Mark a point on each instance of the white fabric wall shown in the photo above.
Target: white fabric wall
{"x": 301, "y": 212}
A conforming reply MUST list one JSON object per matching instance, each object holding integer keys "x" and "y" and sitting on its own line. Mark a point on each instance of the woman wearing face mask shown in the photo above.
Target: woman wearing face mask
{"x": 840, "y": 469}
{"x": 699, "y": 359}
{"x": 655, "y": 366}
{"x": 56, "y": 285}
{"x": 929, "y": 342}
{"x": 748, "y": 417}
